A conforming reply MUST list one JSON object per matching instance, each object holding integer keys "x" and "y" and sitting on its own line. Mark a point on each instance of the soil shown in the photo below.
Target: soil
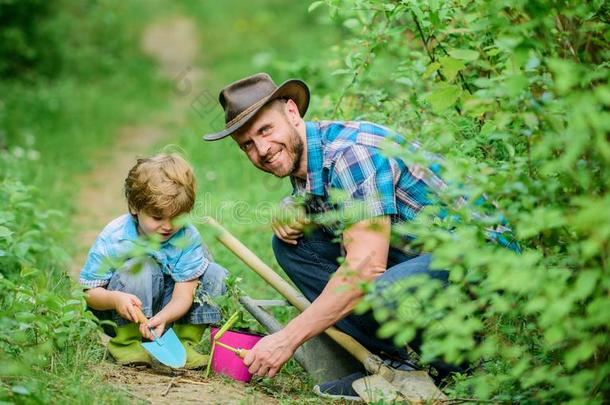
{"x": 173, "y": 44}
{"x": 165, "y": 386}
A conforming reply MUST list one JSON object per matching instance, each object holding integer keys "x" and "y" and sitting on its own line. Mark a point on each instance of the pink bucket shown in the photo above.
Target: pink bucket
{"x": 228, "y": 363}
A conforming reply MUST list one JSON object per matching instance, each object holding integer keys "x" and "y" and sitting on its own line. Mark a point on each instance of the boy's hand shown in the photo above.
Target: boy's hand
{"x": 124, "y": 304}
{"x": 157, "y": 323}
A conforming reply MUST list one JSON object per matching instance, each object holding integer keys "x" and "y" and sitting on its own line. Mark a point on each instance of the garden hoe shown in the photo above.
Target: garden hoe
{"x": 384, "y": 383}
{"x": 167, "y": 349}
{"x": 238, "y": 352}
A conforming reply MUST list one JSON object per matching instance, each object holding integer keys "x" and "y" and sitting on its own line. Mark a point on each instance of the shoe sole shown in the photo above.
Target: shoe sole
{"x": 352, "y": 398}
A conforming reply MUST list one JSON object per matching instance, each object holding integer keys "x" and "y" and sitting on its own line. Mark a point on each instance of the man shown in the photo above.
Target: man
{"x": 266, "y": 122}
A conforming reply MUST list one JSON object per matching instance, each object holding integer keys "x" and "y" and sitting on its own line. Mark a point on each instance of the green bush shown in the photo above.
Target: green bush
{"x": 24, "y": 40}
{"x": 515, "y": 96}
{"x": 57, "y": 106}
{"x": 43, "y": 326}
{"x": 51, "y": 38}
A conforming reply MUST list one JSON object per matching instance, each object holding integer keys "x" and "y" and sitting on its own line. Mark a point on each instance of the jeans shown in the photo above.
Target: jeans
{"x": 154, "y": 289}
{"x": 312, "y": 261}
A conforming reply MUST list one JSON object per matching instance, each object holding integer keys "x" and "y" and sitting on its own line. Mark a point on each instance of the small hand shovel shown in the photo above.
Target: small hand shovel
{"x": 167, "y": 349}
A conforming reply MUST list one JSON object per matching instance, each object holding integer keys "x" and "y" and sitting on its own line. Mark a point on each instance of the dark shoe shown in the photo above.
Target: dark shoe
{"x": 342, "y": 388}
{"x": 402, "y": 365}
{"x": 339, "y": 389}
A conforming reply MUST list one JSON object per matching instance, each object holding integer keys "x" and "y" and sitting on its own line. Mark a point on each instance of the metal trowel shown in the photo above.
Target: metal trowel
{"x": 167, "y": 349}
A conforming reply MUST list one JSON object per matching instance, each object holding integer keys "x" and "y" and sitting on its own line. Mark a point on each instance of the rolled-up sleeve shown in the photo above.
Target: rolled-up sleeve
{"x": 96, "y": 272}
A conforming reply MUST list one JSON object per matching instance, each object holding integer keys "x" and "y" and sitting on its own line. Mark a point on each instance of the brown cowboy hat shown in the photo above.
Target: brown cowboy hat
{"x": 241, "y": 100}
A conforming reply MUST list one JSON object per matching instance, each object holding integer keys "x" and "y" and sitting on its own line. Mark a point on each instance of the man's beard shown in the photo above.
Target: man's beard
{"x": 297, "y": 151}
{"x": 295, "y": 148}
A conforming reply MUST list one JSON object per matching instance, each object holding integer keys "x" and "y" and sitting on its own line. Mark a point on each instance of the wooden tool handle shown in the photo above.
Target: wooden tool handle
{"x": 251, "y": 260}
{"x": 140, "y": 315}
{"x": 143, "y": 319}
{"x": 293, "y": 296}
{"x": 240, "y": 352}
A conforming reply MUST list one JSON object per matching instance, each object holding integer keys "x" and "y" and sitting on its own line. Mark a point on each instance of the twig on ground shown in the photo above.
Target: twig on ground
{"x": 169, "y": 386}
{"x": 186, "y": 380}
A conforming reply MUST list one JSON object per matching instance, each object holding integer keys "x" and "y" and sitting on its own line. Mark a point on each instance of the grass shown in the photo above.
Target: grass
{"x": 104, "y": 83}
{"x": 57, "y": 126}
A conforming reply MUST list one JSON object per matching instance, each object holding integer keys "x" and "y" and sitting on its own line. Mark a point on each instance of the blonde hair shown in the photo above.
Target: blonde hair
{"x": 162, "y": 185}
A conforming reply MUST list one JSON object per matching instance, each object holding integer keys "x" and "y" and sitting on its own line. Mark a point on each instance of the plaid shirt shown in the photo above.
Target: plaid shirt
{"x": 347, "y": 156}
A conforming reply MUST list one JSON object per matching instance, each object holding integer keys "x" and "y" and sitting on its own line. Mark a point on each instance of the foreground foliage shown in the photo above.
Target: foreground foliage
{"x": 48, "y": 113}
{"x": 44, "y": 331}
{"x": 514, "y": 96}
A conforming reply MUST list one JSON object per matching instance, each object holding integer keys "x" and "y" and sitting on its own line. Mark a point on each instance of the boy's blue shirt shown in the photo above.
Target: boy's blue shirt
{"x": 183, "y": 256}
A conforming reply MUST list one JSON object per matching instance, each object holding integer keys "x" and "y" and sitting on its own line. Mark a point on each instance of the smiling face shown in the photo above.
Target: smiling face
{"x": 274, "y": 140}
{"x": 153, "y": 224}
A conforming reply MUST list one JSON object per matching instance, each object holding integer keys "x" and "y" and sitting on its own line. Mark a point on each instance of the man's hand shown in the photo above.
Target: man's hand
{"x": 269, "y": 355}
{"x": 125, "y": 304}
{"x": 290, "y": 233}
{"x": 157, "y": 323}
{"x": 366, "y": 244}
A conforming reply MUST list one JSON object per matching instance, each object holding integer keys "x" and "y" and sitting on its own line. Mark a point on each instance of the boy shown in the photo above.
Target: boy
{"x": 163, "y": 285}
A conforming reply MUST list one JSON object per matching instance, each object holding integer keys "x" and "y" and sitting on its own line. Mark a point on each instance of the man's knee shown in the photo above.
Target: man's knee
{"x": 289, "y": 257}
{"x": 418, "y": 266}
{"x": 281, "y": 250}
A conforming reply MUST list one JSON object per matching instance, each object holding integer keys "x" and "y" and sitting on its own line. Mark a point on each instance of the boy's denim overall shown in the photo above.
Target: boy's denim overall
{"x": 154, "y": 289}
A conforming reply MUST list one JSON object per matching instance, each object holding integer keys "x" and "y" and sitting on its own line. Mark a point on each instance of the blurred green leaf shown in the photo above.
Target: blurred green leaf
{"x": 578, "y": 354}
{"x": 433, "y": 67}
{"x": 5, "y": 233}
{"x": 450, "y": 67}
{"x": 444, "y": 97}
{"x": 566, "y": 74}
{"x": 314, "y": 5}
{"x": 464, "y": 54}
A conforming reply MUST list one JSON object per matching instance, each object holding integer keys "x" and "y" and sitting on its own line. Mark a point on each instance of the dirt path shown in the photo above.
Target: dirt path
{"x": 102, "y": 189}
{"x": 174, "y": 45}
